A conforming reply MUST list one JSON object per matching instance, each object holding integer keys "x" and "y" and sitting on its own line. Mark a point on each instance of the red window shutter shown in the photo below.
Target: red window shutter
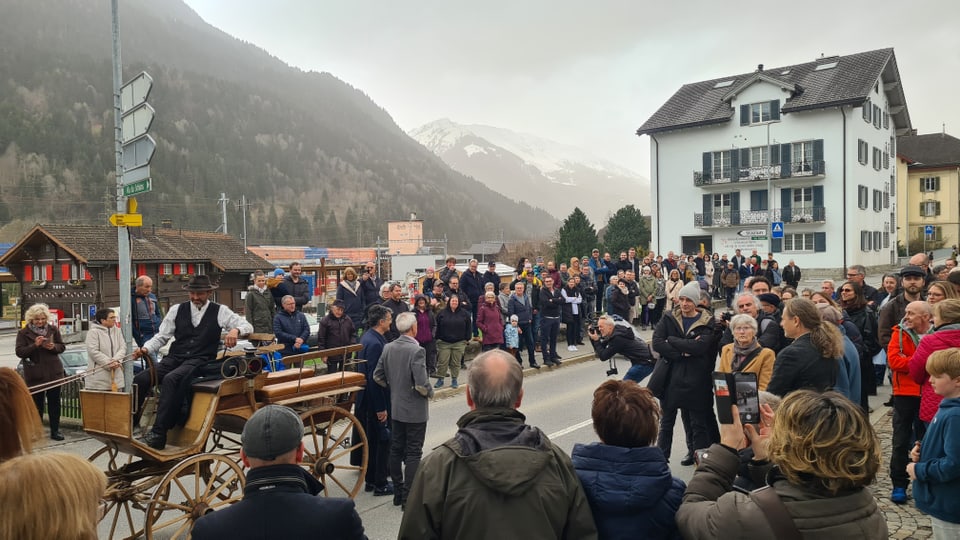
{"x": 176, "y": 269}
{"x": 49, "y": 272}
{"x": 118, "y": 272}
{"x": 65, "y": 272}
{"x": 86, "y": 275}
{"x": 190, "y": 269}
{"x": 27, "y": 273}
{"x": 141, "y": 270}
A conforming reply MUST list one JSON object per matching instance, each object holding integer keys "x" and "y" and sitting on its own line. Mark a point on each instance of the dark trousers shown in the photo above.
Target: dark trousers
{"x": 699, "y": 426}
{"x": 731, "y": 291}
{"x": 601, "y": 292}
{"x": 549, "y": 328}
{"x": 406, "y": 449}
{"x": 658, "y": 311}
{"x": 430, "y": 348}
{"x": 473, "y": 319}
{"x": 52, "y": 397}
{"x": 491, "y": 346}
{"x": 526, "y": 337}
{"x": 173, "y": 377}
{"x": 573, "y": 331}
{"x": 378, "y": 454}
{"x": 334, "y": 364}
{"x": 907, "y": 429}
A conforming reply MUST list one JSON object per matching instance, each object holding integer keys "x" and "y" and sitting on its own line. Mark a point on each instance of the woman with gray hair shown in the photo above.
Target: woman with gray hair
{"x": 39, "y": 345}
{"x": 746, "y": 354}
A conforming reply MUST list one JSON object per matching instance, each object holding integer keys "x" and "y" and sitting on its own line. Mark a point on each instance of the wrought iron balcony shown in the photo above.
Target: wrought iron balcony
{"x": 804, "y": 169}
{"x": 802, "y": 214}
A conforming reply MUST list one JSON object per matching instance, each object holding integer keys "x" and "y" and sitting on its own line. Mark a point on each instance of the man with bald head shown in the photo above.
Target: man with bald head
{"x": 923, "y": 261}
{"x": 496, "y": 465}
{"x": 907, "y": 427}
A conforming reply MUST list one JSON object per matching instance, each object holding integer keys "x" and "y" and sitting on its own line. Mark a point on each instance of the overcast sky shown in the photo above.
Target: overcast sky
{"x": 587, "y": 73}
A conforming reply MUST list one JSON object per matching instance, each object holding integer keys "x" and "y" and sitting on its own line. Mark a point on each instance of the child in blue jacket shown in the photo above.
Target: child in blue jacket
{"x": 936, "y": 468}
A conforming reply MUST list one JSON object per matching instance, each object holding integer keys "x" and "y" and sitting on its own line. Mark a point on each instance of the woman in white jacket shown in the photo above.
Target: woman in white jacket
{"x": 105, "y": 350}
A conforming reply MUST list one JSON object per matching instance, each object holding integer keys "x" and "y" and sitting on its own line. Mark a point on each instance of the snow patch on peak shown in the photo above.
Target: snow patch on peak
{"x": 440, "y": 135}
{"x": 472, "y": 149}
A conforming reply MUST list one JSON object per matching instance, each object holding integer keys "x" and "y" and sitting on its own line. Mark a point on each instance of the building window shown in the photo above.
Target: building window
{"x": 886, "y": 240}
{"x": 886, "y": 199}
{"x": 877, "y": 158}
{"x": 183, "y": 269}
{"x": 866, "y": 241}
{"x": 166, "y": 269}
{"x": 759, "y": 112}
{"x": 929, "y": 184}
{"x": 801, "y": 154}
{"x": 866, "y": 111}
{"x": 930, "y": 208}
{"x": 863, "y": 151}
{"x": 886, "y": 160}
{"x": 78, "y": 271}
{"x": 721, "y": 206}
{"x": 877, "y": 200}
{"x": 758, "y": 200}
{"x": 876, "y": 240}
{"x": 721, "y": 165}
{"x": 876, "y": 117}
{"x": 201, "y": 269}
{"x": 886, "y": 120}
{"x": 863, "y": 197}
{"x": 803, "y": 201}
{"x": 799, "y": 242}
{"x": 759, "y": 156}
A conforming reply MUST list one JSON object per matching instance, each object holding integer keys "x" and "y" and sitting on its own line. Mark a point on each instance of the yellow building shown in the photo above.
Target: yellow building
{"x": 928, "y": 191}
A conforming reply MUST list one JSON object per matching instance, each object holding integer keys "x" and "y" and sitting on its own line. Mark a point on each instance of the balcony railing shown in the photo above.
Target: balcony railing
{"x": 802, "y": 169}
{"x": 800, "y": 214}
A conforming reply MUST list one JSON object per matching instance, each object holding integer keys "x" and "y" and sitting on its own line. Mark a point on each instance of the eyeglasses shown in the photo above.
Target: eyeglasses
{"x": 846, "y": 290}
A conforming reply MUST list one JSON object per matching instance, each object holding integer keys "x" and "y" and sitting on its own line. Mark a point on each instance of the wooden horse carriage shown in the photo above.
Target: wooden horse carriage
{"x": 200, "y": 471}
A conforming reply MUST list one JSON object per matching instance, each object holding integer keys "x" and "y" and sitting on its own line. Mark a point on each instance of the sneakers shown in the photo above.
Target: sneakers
{"x": 572, "y": 348}
{"x": 439, "y": 383}
{"x": 454, "y": 383}
{"x": 899, "y": 495}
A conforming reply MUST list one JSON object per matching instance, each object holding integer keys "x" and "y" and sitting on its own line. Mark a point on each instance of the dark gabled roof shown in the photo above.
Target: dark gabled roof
{"x": 849, "y": 83}
{"x": 97, "y": 244}
{"x": 485, "y": 248}
{"x": 930, "y": 150}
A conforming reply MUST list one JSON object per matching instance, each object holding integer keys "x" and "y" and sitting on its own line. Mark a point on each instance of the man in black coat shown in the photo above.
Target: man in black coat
{"x": 791, "y": 274}
{"x": 335, "y": 330}
{"x": 490, "y": 276}
{"x": 471, "y": 283}
{"x": 370, "y": 284}
{"x": 281, "y": 499}
{"x": 612, "y": 339}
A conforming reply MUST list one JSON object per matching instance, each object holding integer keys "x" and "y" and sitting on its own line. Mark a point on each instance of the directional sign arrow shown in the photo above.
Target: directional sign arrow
{"x": 138, "y": 152}
{"x": 126, "y": 220}
{"x": 752, "y": 232}
{"x": 135, "y": 91}
{"x": 137, "y": 121}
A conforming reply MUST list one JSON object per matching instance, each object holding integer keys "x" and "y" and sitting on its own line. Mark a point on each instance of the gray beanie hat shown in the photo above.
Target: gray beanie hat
{"x": 691, "y": 290}
{"x": 272, "y": 431}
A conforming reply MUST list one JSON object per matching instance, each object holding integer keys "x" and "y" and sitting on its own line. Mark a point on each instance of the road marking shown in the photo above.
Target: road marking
{"x": 570, "y": 429}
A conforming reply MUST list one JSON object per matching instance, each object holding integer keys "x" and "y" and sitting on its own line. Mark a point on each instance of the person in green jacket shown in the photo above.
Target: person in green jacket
{"x": 496, "y": 465}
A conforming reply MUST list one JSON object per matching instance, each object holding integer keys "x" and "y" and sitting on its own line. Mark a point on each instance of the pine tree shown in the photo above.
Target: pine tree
{"x": 576, "y": 237}
{"x": 626, "y": 229}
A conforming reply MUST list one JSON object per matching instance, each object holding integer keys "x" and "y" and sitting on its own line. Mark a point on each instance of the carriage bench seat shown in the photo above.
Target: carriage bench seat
{"x": 329, "y": 383}
{"x": 226, "y": 387}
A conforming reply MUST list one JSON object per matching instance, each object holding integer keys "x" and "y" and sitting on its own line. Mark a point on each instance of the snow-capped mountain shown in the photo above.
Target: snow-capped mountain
{"x": 544, "y": 173}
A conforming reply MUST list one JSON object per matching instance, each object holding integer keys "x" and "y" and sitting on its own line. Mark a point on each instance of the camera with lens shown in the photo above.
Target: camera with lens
{"x": 612, "y": 371}
{"x": 727, "y": 315}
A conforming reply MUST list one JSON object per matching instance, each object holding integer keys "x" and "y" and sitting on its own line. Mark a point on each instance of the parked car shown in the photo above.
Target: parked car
{"x": 74, "y": 360}
{"x": 314, "y": 328}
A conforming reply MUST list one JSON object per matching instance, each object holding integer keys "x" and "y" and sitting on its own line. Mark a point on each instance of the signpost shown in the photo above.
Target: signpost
{"x": 754, "y": 234}
{"x": 138, "y": 187}
{"x": 776, "y": 229}
{"x": 126, "y": 220}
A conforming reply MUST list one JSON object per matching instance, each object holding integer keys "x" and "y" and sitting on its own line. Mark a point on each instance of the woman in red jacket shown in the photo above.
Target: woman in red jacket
{"x": 490, "y": 322}
{"x": 946, "y": 334}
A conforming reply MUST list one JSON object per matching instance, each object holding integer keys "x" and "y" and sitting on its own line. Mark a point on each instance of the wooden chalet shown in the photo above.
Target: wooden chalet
{"x": 74, "y": 268}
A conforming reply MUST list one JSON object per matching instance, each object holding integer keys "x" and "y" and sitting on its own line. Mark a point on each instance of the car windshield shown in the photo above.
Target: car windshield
{"x": 311, "y": 318}
{"x": 75, "y": 358}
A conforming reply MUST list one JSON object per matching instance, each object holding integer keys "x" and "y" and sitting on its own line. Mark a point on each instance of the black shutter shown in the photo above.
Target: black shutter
{"x": 707, "y": 210}
{"x": 745, "y": 159}
{"x": 774, "y": 155}
{"x": 735, "y": 208}
{"x": 818, "y": 167}
{"x": 785, "y": 171}
{"x": 819, "y": 242}
{"x": 938, "y": 208}
{"x": 786, "y": 201}
{"x": 734, "y": 166}
{"x": 818, "y": 210}
{"x": 744, "y": 115}
{"x": 776, "y": 245}
{"x": 707, "y": 161}
{"x": 775, "y": 109}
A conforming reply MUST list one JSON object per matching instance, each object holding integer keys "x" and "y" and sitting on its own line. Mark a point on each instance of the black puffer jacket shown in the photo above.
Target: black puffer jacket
{"x": 692, "y": 355}
{"x": 623, "y": 341}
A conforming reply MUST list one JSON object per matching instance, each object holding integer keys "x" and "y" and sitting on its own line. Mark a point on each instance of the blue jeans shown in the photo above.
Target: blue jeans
{"x": 638, "y": 372}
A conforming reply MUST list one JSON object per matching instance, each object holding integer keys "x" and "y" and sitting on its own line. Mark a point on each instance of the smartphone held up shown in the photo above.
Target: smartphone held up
{"x": 738, "y": 389}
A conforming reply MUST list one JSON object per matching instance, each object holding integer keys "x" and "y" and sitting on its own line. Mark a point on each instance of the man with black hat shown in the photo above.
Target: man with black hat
{"x": 335, "y": 330}
{"x": 913, "y": 284}
{"x": 280, "y": 499}
{"x": 197, "y": 326}
{"x": 490, "y": 276}
{"x": 769, "y": 333}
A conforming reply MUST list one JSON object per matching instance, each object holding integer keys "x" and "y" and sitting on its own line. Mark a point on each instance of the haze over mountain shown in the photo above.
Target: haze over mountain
{"x": 547, "y": 174}
{"x": 319, "y": 161}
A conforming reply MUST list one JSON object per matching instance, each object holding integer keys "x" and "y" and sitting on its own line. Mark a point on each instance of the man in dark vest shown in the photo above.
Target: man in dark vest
{"x": 197, "y": 326}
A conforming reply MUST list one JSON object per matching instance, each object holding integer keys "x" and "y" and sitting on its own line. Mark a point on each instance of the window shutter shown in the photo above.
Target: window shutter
{"x": 745, "y": 157}
{"x": 176, "y": 269}
{"x": 819, "y": 242}
{"x": 86, "y": 274}
{"x": 65, "y": 272}
{"x": 786, "y": 201}
{"x": 774, "y": 155}
{"x": 936, "y": 183}
{"x": 48, "y": 269}
{"x": 190, "y": 268}
{"x": 707, "y": 161}
{"x": 735, "y": 208}
{"x": 745, "y": 115}
{"x": 776, "y": 245}
{"x": 866, "y": 111}
{"x": 818, "y": 156}
{"x": 707, "y": 210}
{"x": 937, "y": 208}
{"x": 141, "y": 270}
{"x": 775, "y": 109}
{"x": 27, "y": 272}
{"x": 117, "y": 272}
{"x": 734, "y": 166}
{"x": 785, "y": 161}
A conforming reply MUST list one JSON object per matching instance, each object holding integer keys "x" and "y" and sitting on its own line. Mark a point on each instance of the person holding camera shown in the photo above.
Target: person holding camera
{"x": 609, "y": 339}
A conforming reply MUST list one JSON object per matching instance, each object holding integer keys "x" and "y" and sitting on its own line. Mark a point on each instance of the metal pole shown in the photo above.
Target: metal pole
{"x": 123, "y": 239}
{"x": 243, "y": 203}
{"x": 770, "y": 197}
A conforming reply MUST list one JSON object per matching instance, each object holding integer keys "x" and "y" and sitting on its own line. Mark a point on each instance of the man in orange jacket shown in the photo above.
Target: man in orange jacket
{"x": 907, "y": 427}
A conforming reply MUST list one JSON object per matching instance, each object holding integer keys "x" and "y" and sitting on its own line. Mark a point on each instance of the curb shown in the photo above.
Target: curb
{"x": 446, "y": 391}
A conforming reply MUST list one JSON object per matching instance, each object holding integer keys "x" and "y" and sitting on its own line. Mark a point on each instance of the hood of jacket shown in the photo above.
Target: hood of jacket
{"x": 502, "y": 451}
{"x": 622, "y": 479}
{"x": 622, "y": 330}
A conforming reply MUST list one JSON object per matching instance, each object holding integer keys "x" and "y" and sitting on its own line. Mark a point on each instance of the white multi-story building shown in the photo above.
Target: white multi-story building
{"x": 809, "y": 146}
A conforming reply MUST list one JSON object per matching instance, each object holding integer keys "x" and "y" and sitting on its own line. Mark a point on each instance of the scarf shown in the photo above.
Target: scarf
{"x": 40, "y": 330}
{"x": 740, "y": 353}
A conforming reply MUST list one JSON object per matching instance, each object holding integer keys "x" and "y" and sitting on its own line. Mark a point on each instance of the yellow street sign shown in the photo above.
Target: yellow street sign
{"x": 132, "y": 205}
{"x": 127, "y": 220}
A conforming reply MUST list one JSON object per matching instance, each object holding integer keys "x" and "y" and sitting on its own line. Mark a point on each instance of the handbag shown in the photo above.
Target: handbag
{"x": 660, "y": 376}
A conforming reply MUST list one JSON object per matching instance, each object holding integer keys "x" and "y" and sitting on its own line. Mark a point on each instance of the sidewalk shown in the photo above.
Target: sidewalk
{"x": 903, "y": 520}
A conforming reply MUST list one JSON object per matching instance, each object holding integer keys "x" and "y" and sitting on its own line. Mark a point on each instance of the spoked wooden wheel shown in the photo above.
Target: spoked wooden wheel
{"x": 328, "y": 449}
{"x": 196, "y": 486}
{"x": 114, "y": 459}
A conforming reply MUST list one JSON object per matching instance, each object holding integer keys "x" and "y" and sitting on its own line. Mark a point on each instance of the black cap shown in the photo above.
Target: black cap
{"x": 912, "y": 270}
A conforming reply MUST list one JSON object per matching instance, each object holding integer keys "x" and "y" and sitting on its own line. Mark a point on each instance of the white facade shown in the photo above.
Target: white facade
{"x": 825, "y": 225}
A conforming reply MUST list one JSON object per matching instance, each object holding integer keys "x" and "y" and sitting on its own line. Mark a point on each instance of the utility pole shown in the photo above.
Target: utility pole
{"x": 223, "y": 200}
{"x": 242, "y": 207}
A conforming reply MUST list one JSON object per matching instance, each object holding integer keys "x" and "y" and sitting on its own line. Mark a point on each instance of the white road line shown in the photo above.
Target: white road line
{"x": 570, "y": 429}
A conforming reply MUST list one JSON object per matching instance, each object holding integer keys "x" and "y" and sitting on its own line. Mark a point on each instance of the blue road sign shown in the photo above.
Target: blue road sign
{"x": 928, "y": 229}
{"x": 776, "y": 229}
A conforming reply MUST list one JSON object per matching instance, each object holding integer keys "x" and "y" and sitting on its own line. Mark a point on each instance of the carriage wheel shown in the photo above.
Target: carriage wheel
{"x": 195, "y": 487}
{"x": 328, "y": 447}
{"x": 115, "y": 460}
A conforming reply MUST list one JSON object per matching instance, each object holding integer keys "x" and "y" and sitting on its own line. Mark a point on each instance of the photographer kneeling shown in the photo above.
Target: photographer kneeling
{"x": 609, "y": 338}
